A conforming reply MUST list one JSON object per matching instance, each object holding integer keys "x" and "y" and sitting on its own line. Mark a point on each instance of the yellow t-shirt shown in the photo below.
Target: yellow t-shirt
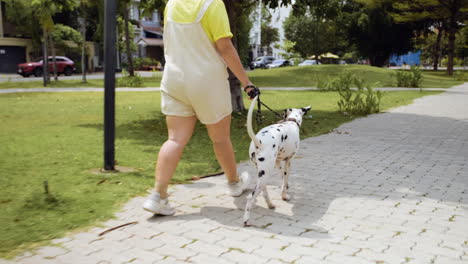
{"x": 215, "y": 22}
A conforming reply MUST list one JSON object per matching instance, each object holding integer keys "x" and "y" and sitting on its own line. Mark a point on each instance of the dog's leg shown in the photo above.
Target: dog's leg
{"x": 284, "y": 188}
{"x": 267, "y": 197}
{"x": 251, "y": 201}
{"x": 278, "y": 165}
{"x": 259, "y": 187}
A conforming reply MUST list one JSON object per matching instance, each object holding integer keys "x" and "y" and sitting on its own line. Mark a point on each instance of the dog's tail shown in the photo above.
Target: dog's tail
{"x": 249, "y": 122}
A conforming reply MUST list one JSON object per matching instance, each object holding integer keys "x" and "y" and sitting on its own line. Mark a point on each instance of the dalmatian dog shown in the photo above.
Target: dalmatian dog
{"x": 273, "y": 147}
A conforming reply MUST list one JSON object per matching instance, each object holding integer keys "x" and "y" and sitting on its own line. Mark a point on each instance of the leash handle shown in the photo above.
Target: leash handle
{"x": 253, "y": 92}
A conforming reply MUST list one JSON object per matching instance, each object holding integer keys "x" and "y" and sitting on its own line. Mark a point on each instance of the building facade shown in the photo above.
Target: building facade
{"x": 14, "y": 49}
{"x": 278, "y": 16}
{"x": 148, "y": 34}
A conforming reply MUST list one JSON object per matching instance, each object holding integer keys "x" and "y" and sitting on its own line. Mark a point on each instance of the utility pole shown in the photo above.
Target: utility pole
{"x": 109, "y": 83}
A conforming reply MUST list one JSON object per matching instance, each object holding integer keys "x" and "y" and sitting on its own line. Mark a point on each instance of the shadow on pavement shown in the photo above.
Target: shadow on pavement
{"x": 339, "y": 179}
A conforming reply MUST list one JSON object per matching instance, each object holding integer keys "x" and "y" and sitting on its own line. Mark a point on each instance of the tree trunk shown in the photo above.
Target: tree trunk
{"x": 437, "y": 49}
{"x": 377, "y": 60}
{"x": 127, "y": 44}
{"x": 452, "y": 30}
{"x": 451, "y": 48}
{"x": 83, "y": 50}
{"x": 234, "y": 83}
{"x": 45, "y": 60}
{"x": 54, "y": 58}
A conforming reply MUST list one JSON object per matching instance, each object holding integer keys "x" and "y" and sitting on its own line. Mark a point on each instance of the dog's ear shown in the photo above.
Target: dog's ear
{"x": 305, "y": 109}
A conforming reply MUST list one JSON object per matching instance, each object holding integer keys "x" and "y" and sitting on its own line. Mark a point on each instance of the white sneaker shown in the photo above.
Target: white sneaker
{"x": 236, "y": 189}
{"x": 154, "y": 204}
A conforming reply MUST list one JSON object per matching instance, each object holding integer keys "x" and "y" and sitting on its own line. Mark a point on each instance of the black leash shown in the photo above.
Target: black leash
{"x": 258, "y": 116}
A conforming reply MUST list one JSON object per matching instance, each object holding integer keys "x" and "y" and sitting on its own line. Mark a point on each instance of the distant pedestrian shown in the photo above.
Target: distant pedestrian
{"x": 405, "y": 66}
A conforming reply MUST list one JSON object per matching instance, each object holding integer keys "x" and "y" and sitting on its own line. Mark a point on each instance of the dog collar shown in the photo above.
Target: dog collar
{"x": 291, "y": 119}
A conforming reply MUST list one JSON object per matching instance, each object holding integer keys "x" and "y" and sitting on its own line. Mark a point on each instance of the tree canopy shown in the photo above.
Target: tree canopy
{"x": 450, "y": 14}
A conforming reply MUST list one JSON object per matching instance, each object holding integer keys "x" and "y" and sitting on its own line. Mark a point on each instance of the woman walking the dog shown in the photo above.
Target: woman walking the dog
{"x": 197, "y": 49}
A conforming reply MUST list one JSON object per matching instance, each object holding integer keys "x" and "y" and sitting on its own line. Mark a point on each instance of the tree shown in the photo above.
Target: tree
{"x": 269, "y": 34}
{"x": 58, "y": 39}
{"x": 449, "y": 12}
{"x": 43, "y": 12}
{"x": 85, "y": 5}
{"x": 426, "y": 43}
{"x": 124, "y": 6}
{"x": 20, "y": 14}
{"x": 310, "y": 36}
{"x": 461, "y": 50}
{"x": 432, "y": 46}
{"x": 374, "y": 32}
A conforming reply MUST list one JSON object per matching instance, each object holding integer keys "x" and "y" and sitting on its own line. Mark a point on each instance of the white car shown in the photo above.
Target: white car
{"x": 309, "y": 62}
{"x": 279, "y": 63}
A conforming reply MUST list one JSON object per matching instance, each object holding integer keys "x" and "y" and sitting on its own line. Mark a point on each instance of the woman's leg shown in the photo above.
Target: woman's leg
{"x": 180, "y": 130}
{"x": 220, "y": 134}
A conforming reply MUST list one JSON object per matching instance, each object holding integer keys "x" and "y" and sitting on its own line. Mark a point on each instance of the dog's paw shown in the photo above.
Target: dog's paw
{"x": 286, "y": 197}
{"x": 271, "y": 206}
{"x": 247, "y": 224}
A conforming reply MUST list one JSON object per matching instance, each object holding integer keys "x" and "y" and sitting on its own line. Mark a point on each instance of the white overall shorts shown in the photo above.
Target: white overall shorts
{"x": 195, "y": 78}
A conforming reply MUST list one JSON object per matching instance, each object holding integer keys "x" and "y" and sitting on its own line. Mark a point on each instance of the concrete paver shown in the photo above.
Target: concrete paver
{"x": 393, "y": 189}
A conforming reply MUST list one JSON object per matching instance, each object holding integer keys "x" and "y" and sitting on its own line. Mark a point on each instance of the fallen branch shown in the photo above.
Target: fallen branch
{"x": 117, "y": 227}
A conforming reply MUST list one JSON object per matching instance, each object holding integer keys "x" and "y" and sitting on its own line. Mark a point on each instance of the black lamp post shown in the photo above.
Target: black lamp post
{"x": 109, "y": 83}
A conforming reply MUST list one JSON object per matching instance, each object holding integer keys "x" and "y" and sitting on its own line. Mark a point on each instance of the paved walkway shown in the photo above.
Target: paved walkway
{"x": 388, "y": 188}
{"x": 149, "y": 89}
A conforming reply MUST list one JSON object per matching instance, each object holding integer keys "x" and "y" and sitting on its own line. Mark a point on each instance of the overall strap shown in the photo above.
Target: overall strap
{"x": 169, "y": 10}
{"x": 203, "y": 10}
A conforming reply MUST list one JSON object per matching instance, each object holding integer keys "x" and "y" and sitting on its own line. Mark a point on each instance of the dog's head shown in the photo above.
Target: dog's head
{"x": 296, "y": 113}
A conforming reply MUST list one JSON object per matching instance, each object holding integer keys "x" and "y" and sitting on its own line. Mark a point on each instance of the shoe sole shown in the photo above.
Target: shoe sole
{"x": 156, "y": 213}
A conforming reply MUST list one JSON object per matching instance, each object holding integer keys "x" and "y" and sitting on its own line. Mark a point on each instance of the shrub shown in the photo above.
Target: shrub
{"x": 332, "y": 84}
{"x": 411, "y": 78}
{"x": 461, "y": 76}
{"x": 360, "y": 101}
{"x": 416, "y": 76}
{"x": 402, "y": 78}
{"x": 144, "y": 63}
{"x": 128, "y": 81}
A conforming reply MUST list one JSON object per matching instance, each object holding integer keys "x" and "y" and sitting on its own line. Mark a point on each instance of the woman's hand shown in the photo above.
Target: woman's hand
{"x": 251, "y": 90}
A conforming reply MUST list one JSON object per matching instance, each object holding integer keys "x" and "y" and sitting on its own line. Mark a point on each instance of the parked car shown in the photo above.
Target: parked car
{"x": 309, "y": 62}
{"x": 261, "y": 62}
{"x": 64, "y": 65}
{"x": 279, "y": 63}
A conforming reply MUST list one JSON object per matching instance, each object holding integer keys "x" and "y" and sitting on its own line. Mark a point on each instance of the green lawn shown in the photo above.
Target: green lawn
{"x": 148, "y": 82}
{"x": 57, "y": 137}
{"x": 307, "y": 76}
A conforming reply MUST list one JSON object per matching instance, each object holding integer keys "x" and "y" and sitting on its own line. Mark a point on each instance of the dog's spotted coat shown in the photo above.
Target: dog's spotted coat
{"x": 273, "y": 146}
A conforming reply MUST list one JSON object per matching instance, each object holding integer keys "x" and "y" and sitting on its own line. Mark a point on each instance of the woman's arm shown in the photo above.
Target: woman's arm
{"x": 230, "y": 56}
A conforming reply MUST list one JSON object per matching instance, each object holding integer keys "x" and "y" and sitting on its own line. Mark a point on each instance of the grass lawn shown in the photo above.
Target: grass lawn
{"x": 148, "y": 82}
{"x": 307, "y": 76}
{"x": 57, "y": 137}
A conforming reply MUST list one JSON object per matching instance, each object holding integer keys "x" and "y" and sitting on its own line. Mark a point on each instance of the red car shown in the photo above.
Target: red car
{"x": 64, "y": 65}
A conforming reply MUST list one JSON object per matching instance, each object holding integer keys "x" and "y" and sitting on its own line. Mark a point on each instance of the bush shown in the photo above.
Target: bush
{"x": 461, "y": 76}
{"x": 128, "y": 81}
{"x": 361, "y": 101}
{"x": 344, "y": 81}
{"x": 145, "y": 63}
{"x": 411, "y": 78}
